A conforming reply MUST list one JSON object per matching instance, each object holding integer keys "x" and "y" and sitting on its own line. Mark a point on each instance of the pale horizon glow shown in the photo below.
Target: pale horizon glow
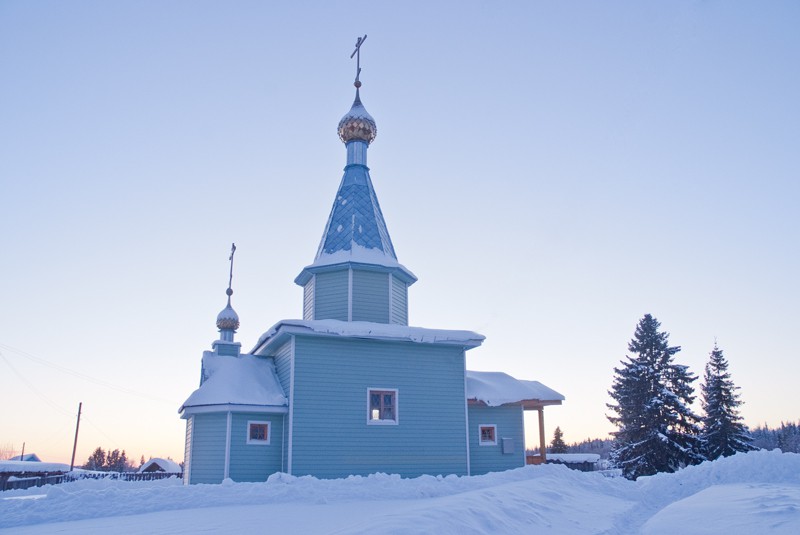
{"x": 551, "y": 171}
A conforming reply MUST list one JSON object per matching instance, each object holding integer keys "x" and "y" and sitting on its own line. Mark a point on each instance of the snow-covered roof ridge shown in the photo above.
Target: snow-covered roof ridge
{"x": 168, "y": 465}
{"x": 498, "y": 388}
{"x": 27, "y": 457}
{"x": 243, "y": 380}
{"x": 366, "y": 329}
{"x": 358, "y": 254}
{"x": 32, "y": 466}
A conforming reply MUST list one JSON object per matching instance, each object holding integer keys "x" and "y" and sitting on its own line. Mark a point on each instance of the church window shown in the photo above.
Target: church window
{"x": 258, "y": 433}
{"x": 487, "y": 435}
{"x": 382, "y": 406}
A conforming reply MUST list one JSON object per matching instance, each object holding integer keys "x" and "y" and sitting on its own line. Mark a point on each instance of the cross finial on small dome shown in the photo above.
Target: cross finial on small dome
{"x": 357, "y": 53}
{"x": 357, "y": 124}
{"x": 228, "y": 319}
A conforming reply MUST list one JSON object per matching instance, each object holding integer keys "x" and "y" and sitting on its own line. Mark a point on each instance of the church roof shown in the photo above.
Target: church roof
{"x": 246, "y": 381}
{"x": 356, "y": 218}
{"x": 356, "y": 231}
{"x": 498, "y": 388}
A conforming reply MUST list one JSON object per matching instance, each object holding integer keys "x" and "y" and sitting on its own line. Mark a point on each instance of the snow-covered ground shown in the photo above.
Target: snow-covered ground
{"x": 758, "y": 492}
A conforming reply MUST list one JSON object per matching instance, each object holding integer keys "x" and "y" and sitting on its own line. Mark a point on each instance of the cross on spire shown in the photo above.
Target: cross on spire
{"x": 357, "y": 53}
{"x": 229, "y": 291}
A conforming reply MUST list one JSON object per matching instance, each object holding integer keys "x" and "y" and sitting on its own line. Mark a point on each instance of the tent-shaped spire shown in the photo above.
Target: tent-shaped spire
{"x": 356, "y": 221}
{"x": 356, "y": 231}
{"x": 355, "y": 275}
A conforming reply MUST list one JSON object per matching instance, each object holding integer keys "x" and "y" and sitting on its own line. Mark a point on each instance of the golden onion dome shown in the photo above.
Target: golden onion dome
{"x": 357, "y": 124}
{"x": 228, "y": 319}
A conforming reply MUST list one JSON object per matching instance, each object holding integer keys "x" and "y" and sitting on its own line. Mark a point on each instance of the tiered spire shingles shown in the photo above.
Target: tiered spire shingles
{"x": 356, "y": 218}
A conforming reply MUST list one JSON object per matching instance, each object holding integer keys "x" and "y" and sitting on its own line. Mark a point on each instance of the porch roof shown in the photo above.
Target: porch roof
{"x": 498, "y": 388}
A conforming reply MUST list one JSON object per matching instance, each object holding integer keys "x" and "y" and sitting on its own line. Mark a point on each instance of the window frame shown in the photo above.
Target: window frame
{"x": 396, "y": 408}
{"x": 258, "y": 442}
{"x": 494, "y": 440}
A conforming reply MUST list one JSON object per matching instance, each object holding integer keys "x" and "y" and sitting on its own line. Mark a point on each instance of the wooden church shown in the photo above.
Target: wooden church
{"x": 352, "y": 388}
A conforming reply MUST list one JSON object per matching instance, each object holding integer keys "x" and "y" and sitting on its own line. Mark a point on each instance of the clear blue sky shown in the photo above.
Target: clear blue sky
{"x": 551, "y": 171}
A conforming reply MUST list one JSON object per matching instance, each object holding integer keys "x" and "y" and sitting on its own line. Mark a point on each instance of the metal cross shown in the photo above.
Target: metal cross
{"x": 230, "y": 277}
{"x": 357, "y": 53}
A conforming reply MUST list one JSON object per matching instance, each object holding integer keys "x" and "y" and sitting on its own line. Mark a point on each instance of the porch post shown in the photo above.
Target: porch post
{"x": 542, "y": 443}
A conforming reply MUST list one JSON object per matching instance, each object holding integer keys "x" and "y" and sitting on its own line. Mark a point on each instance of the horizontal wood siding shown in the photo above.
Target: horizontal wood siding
{"x": 255, "y": 462}
{"x": 331, "y": 435}
{"x": 399, "y": 310}
{"x": 370, "y": 296}
{"x": 331, "y": 295}
{"x": 508, "y": 420}
{"x": 283, "y": 368}
{"x": 208, "y": 447}
{"x": 308, "y": 300}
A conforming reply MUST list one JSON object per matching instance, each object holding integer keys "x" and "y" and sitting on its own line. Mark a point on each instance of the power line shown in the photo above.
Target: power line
{"x": 33, "y": 388}
{"x": 80, "y": 375}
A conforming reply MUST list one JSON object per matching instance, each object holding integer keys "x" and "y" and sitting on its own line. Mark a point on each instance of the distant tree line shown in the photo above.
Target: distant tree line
{"x": 785, "y": 438}
{"x": 111, "y": 461}
{"x": 600, "y": 446}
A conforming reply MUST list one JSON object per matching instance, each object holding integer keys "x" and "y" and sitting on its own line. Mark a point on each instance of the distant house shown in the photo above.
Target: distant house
{"x": 585, "y": 462}
{"x": 30, "y": 457}
{"x": 352, "y": 388}
{"x": 161, "y": 465}
{"x": 32, "y": 472}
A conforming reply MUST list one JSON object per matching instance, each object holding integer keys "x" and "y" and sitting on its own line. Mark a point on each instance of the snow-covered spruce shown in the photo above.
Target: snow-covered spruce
{"x": 724, "y": 432}
{"x": 657, "y": 430}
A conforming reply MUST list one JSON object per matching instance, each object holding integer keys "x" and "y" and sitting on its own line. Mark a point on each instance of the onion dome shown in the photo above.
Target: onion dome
{"x": 228, "y": 319}
{"x": 357, "y": 124}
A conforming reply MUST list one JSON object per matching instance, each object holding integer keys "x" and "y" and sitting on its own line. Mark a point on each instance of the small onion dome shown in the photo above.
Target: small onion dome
{"x": 228, "y": 319}
{"x": 357, "y": 124}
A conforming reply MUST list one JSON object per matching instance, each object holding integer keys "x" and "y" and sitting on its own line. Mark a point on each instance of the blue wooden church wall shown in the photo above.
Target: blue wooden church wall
{"x": 331, "y": 436}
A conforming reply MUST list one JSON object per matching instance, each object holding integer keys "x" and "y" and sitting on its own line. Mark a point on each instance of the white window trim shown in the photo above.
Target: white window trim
{"x": 396, "y": 420}
{"x": 254, "y": 442}
{"x": 487, "y": 442}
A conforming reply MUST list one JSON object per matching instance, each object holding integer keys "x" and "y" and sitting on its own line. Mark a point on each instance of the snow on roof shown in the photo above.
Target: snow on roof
{"x": 32, "y": 466}
{"x": 167, "y": 465}
{"x": 27, "y": 457}
{"x": 244, "y": 380}
{"x": 367, "y": 329}
{"x": 359, "y": 254}
{"x": 498, "y": 388}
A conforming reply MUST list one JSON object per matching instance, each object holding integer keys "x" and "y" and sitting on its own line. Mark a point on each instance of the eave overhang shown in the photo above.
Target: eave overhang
{"x": 281, "y": 331}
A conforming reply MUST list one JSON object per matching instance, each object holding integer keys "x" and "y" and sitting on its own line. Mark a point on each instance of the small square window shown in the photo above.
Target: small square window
{"x": 382, "y": 406}
{"x": 258, "y": 433}
{"x": 487, "y": 435}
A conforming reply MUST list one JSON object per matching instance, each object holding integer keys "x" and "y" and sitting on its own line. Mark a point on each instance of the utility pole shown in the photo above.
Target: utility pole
{"x": 22, "y": 455}
{"x": 75, "y": 444}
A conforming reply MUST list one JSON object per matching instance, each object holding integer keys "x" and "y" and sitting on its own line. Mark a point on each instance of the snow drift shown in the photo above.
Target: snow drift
{"x": 757, "y": 492}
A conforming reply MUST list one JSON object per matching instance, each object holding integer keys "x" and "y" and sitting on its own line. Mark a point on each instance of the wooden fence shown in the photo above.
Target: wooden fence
{"x": 25, "y": 480}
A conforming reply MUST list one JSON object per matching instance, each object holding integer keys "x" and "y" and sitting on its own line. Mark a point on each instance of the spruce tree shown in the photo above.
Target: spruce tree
{"x": 724, "y": 433}
{"x": 97, "y": 460}
{"x": 558, "y": 445}
{"x": 657, "y": 430}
